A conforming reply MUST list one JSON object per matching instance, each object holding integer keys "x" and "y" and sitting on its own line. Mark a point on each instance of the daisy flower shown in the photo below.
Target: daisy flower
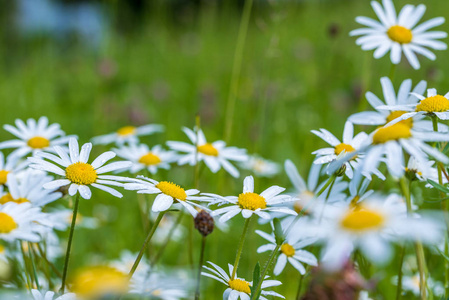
{"x": 388, "y": 143}
{"x": 412, "y": 283}
{"x": 40, "y": 295}
{"x": 405, "y": 96}
{"x": 260, "y": 167}
{"x": 21, "y": 222}
{"x": 10, "y": 165}
{"x": 77, "y": 172}
{"x": 238, "y": 288}
{"x": 34, "y": 136}
{"x": 349, "y": 144}
{"x": 158, "y": 286}
{"x": 291, "y": 250}
{"x": 371, "y": 226}
{"x": 249, "y": 202}
{"x": 127, "y": 134}
{"x": 215, "y": 155}
{"x": 167, "y": 193}
{"x": 434, "y": 105}
{"x": 399, "y": 33}
{"x": 29, "y": 189}
{"x": 143, "y": 157}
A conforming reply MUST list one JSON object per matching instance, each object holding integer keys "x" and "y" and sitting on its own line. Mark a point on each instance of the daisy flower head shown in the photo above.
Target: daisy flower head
{"x": 249, "y": 202}
{"x": 34, "y": 136}
{"x": 77, "y": 172}
{"x": 10, "y": 165}
{"x": 215, "y": 155}
{"x": 291, "y": 250}
{"x": 159, "y": 286}
{"x": 127, "y": 134}
{"x": 371, "y": 226}
{"x": 260, "y": 167}
{"x": 21, "y": 222}
{"x": 434, "y": 105}
{"x": 29, "y": 188}
{"x": 411, "y": 283}
{"x": 399, "y": 33}
{"x": 238, "y": 288}
{"x": 49, "y": 295}
{"x": 167, "y": 193}
{"x": 349, "y": 143}
{"x": 142, "y": 157}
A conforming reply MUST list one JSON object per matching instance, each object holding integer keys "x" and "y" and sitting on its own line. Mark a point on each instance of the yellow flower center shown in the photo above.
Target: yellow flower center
{"x": 3, "y": 176}
{"x": 391, "y": 133}
{"x": 432, "y": 104}
{"x": 361, "y": 219}
{"x": 97, "y": 282}
{"x": 240, "y": 285}
{"x": 7, "y": 223}
{"x": 38, "y": 142}
{"x": 396, "y": 114}
{"x": 288, "y": 250}
{"x": 172, "y": 190}
{"x": 127, "y": 130}
{"x": 149, "y": 159}
{"x": 2, "y": 249}
{"x": 343, "y": 147}
{"x": 8, "y": 198}
{"x": 208, "y": 149}
{"x": 81, "y": 173}
{"x": 251, "y": 201}
{"x": 400, "y": 34}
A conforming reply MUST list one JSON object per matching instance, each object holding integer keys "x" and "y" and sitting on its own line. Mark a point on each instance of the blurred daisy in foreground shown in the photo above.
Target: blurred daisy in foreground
{"x": 167, "y": 193}
{"x": 34, "y": 136}
{"x": 49, "y": 295}
{"x": 349, "y": 144}
{"x": 291, "y": 251}
{"x": 29, "y": 189}
{"x": 260, "y": 167}
{"x": 405, "y": 97}
{"x": 215, "y": 155}
{"x": 249, "y": 202}
{"x": 372, "y": 226}
{"x": 143, "y": 157}
{"x": 21, "y": 222}
{"x": 434, "y": 105}
{"x": 238, "y": 288}
{"x": 158, "y": 286}
{"x": 10, "y": 165}
{"x": 399, "y": 33}
{"x": 77, "y": 172}
{"x": 411, "y": 284}
{"x": 127, "y": 134}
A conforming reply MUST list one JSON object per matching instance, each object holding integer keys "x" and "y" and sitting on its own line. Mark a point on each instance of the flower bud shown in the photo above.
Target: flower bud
{"x": 204, "y": 223}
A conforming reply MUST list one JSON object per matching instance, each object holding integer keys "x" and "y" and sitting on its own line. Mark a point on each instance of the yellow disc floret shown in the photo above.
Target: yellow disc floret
{"x": 38, "y": 142}
{"x": 288, "y": 250}
{"x": 396, "y": 114}
{"x": 7, "y": 223}
{"x": 432, "y": 104}
{"x": 208, "y": 149}
{"x": 98, "y": 282}
{"x": 251, "y": 201}
{"x": 127, "y": 130}
{"x": 391, "y": 133}
{"x": 149, "y": 159}
{"x": 172, "y": 190}
{"x": 362, "y": 219}
{"x": 81, "y": 173}
{"x": 6, "y": 198}
{"x": 3, "y": 176}
{"x": 400, "y": 34}
{"x": 240, "y": 285}
{"x": 343, "y": 147}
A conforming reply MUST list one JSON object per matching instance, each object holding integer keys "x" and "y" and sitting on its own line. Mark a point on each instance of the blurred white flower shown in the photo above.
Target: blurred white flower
{"x": 127, "y": 134}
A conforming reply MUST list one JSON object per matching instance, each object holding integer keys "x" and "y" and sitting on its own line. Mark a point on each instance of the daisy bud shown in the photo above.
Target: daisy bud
{"x": 341, "y": 172}
{"x": 204, "y": 223}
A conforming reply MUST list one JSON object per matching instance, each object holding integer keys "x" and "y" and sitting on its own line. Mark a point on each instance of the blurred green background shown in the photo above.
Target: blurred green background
{"x": 167, "y": 61}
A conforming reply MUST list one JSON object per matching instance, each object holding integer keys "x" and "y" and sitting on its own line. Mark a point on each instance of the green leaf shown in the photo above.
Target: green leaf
{"x": 256, "y": 280}
{"x": 278, "y": 232}
{"x": 438, "y": 186}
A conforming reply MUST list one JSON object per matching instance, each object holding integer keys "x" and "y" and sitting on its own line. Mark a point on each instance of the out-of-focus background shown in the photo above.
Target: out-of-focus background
{"x": 95, "y": 66}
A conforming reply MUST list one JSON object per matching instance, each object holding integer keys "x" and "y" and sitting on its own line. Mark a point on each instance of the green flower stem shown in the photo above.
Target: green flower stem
{"x": 392, "y": 71}
{"x": 399, "y": 285}
{"x": 264, "y": 272}
{"x": 26, "y": 264}
{"x": 420, "y": 257}
{"x": 33, "y": 265}
{"x": 49, "y": 263}
{"x": 145, "y": 243}
{"x": 240, "y": 249}
{"x": 69, "y": 245}
{"x": 200, "y": 266}
{"x": 167, "y": 239}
